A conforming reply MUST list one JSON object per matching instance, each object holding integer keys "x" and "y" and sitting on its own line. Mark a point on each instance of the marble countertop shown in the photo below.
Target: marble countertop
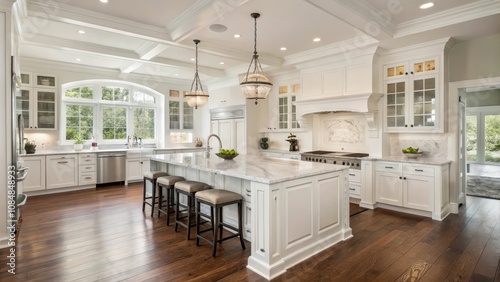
{"x": 402, "y": 159}
{"x": 251, "y": 167}
{"x": 66, "y": 151}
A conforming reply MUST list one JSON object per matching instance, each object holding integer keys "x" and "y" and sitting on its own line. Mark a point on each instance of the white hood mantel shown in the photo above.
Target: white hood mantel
{"x": 366, "y": 104}
{"x": 360, "y": 103}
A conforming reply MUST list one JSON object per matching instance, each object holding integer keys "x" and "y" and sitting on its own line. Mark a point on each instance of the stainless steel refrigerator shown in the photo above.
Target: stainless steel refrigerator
{"x": 17, "y": 133}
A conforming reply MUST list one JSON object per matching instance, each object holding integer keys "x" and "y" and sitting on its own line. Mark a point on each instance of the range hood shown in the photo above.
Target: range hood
{"x": 360, "y": 103}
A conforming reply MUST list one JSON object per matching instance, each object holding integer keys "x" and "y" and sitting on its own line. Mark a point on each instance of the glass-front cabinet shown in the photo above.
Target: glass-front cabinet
{"x": 37, "y": 105}
{"x": 412, "y": 97}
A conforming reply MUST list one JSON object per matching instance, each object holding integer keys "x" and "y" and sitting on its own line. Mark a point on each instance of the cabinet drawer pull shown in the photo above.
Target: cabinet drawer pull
{"x": 352, "y": 189}
{"x": 88, "y": 177}
{"x": 421, "y": 170}
{"x": 389, "y": 167}
{"x": 248, "y": 195}
{"x": 88, "y": 167}
{"x": 352, "y": 174}
{"x": 62, "y": 162}
{"x": 262, "y": 250}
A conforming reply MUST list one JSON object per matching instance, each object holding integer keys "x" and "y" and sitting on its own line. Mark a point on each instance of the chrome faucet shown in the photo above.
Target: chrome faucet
{"x": 207, "y": 152}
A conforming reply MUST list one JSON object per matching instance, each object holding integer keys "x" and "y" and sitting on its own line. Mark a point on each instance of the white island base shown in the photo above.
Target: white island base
{"x": 294, "y": 209}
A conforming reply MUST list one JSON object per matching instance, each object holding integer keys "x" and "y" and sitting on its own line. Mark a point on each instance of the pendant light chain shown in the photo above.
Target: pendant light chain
{"x": 196, "y": 97}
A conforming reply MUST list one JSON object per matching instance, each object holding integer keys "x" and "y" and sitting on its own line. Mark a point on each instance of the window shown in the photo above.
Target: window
{"x": 83, "y": 92}
{"x": 115, "y": 94}
{"x": 483, "y": 131}
{"x": 114, "y": 123}
{"x": 181, "y": 119}
{"x": 122, "y": 109}
{"x": 287, "y": 112}
{"x": 144, "y": 123}
{"x": 79, "y": 121}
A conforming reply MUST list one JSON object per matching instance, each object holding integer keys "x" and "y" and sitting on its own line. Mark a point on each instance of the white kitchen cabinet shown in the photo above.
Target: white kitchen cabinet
{"x": 87, "y": 173}
{"x": 231, "y": 133}
{"x": 414, "y": 83}
{"x": 226, "y": 97}
{"x": 38, "y": 107}
{"x": 62, "y": 171}
{"x": 37, "y": 101}
{"x": 413, "y": 186}
{"x": 137, "y": 164}
{"x": 355, "y": 183}
{"x": 35, "y": 179}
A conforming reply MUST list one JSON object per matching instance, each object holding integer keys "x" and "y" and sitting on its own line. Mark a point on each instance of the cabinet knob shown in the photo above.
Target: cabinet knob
{"x": 411, "y": 125}
{"x": 411, "y": 72}
{"x": 404, "y": 178}
{"x": 406, "y": 73}
{"x": 406, "y": 125}
{"x": 400, "y": 177}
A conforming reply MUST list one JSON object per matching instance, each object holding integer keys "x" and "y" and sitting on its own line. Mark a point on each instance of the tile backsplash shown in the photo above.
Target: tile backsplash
{"x": 432, "y": 146}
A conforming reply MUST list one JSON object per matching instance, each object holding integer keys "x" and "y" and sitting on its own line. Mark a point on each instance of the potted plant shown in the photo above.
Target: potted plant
{"x": 78, "y": 146}
{"x": 30, "y": 147}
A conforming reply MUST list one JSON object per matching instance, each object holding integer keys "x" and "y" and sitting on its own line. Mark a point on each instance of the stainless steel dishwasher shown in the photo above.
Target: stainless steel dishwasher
{"x": 110, "y": 167}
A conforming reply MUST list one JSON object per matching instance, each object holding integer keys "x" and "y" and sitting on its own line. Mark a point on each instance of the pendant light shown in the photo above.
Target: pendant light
{"x": 255, "y": 85}
{"x": 196, "y": 97}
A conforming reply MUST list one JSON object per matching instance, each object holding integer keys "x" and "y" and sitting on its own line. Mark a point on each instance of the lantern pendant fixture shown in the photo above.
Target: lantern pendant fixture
{"x": 255, "y": 85}
{"x": 196, "y": 97}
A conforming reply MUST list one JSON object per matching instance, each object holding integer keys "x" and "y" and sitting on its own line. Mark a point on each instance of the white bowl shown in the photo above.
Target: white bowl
{"x": 413, "y": 155}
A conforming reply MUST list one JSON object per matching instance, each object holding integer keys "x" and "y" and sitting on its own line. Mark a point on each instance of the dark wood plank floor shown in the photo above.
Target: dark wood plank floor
{"x": 102, "y": 235}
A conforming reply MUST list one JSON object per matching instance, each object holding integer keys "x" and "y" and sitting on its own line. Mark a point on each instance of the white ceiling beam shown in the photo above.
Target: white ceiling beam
{"x": 126, "y": 55}
{"x": 360, "y": 15}
{"x": 149, "y": 50}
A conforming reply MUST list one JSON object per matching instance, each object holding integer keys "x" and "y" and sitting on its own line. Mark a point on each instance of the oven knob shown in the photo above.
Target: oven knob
{"x": 343, "y": 163}
{"x": 334, "y": 162}
{"x": 357, "y": 164}
{"x": 324, "y": 161}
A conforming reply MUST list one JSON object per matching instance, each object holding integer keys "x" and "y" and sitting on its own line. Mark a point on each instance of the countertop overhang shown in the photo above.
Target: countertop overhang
{"x": 251, "y": 167}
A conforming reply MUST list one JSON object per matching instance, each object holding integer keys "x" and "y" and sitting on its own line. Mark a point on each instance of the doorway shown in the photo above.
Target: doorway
{"x": 482, "y": 142}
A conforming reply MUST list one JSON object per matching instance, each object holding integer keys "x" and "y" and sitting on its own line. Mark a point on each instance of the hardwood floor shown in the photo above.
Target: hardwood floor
{"x": 102, "y": 235}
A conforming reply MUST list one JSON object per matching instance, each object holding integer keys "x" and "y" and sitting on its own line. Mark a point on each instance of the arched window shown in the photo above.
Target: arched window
{"x": 110, "y": 112}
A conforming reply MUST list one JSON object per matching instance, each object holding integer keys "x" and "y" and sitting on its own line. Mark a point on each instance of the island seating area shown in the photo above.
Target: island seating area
{"x": 293, "y": 209}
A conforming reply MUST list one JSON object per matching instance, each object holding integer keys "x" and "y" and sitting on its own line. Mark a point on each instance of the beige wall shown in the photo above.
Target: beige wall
{"x": 475, "y": 59}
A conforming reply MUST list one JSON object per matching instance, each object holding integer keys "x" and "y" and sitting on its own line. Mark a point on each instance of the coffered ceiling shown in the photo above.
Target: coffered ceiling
{"x": 155, "y": 37}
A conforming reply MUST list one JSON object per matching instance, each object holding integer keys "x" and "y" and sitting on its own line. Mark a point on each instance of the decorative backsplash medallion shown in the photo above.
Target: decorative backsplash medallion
{"x": 348, "y": 131}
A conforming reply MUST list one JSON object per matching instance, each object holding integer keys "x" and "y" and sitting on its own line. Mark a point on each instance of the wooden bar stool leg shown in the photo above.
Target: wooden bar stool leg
{"x": 153, "y": 197}
{"x": 176, "y": 211}
{"x": 198, "y": 212}
{"x": 240, "y": 223}
{"x": 190, "y": 206}
{"x": 169, "y": 203}
{"x": 216, "y": 226}
{"x": 160, "y": 197}
{"x": 221, "y": 219}
{"x": 144, "y": 195}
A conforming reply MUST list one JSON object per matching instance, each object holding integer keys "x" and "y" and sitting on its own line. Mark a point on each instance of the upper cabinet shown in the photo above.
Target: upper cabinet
{"x": 413, "y": 97}
{"x": 226, "y": 97}
{"x": 282, "y": 113}
{"x": 414, "y": 84}
{"x": 37, "y": 102}
{"x": 335, "y": 82}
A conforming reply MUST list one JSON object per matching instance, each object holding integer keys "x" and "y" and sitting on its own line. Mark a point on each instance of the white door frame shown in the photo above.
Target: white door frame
{"x": 457, "y": 189}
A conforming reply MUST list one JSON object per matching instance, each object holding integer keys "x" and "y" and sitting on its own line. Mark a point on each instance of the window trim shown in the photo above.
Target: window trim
{"x": 98, "y": 104}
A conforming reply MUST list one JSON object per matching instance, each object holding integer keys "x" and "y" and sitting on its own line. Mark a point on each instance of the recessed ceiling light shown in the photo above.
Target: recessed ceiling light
{"x": 237, "y": 36}
{"x": 218, "y": 27}
{"x": 426, "y": 5}
{"x": 104, "y": 1}
{"x": 81, "y": 31}
{"x": 221, "y": 63}
{"x": 317, "y": 39}
{"x": 192, "y": 59}
{"x": 283, "y": 48}
{"x": 78, "y": 59}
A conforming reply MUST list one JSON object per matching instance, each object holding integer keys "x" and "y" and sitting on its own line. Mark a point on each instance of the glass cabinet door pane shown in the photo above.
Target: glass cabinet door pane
{"x": 400, "y": 70}
{"x": 46, "y": 120}
{"x": 430, "y": 65}
{"x": 390, "y": 72}
{"x": 46, "y": 96}
{"x": 418, "y": 121}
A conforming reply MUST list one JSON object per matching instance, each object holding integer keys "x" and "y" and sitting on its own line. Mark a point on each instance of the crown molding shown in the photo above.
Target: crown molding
{"x": 82, "y": 17}
{"x": 461, "y": 14}
{"x": 433, "y": 46}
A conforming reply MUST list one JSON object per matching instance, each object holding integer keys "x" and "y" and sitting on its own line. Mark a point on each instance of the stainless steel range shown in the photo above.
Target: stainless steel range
{"x": 341, "y": 158}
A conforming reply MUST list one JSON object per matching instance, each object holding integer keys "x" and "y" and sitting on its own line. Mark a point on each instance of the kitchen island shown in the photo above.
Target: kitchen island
{"x": 293, "y": 209}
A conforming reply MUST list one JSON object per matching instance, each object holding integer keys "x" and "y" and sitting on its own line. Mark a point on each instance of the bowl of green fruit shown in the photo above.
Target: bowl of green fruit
{"x": 412, "y": 153}
{"x": 227, "y": 154}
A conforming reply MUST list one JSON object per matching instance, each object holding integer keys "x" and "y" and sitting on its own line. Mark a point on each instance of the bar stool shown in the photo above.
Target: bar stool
{"x": 168, "y": 183}
{"x": 188, "y": 188}
{"x": 151, "y": 176}
{"x": 217, "y": 199}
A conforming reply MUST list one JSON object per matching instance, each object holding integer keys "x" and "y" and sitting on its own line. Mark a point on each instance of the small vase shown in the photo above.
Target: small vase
{"x": 78, "y": 147}
{"x": 30, "y": 151}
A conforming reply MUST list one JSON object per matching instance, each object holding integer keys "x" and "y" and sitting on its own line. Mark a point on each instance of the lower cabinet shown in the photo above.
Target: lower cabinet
{"x": 35, "y": 179}
{"x": 87, "y": 169}
{"x": 355, "y": 183}
{"x": 137, "y": 164}
{"x": 62, "y": 171}
{"x": 413, "y": 186}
